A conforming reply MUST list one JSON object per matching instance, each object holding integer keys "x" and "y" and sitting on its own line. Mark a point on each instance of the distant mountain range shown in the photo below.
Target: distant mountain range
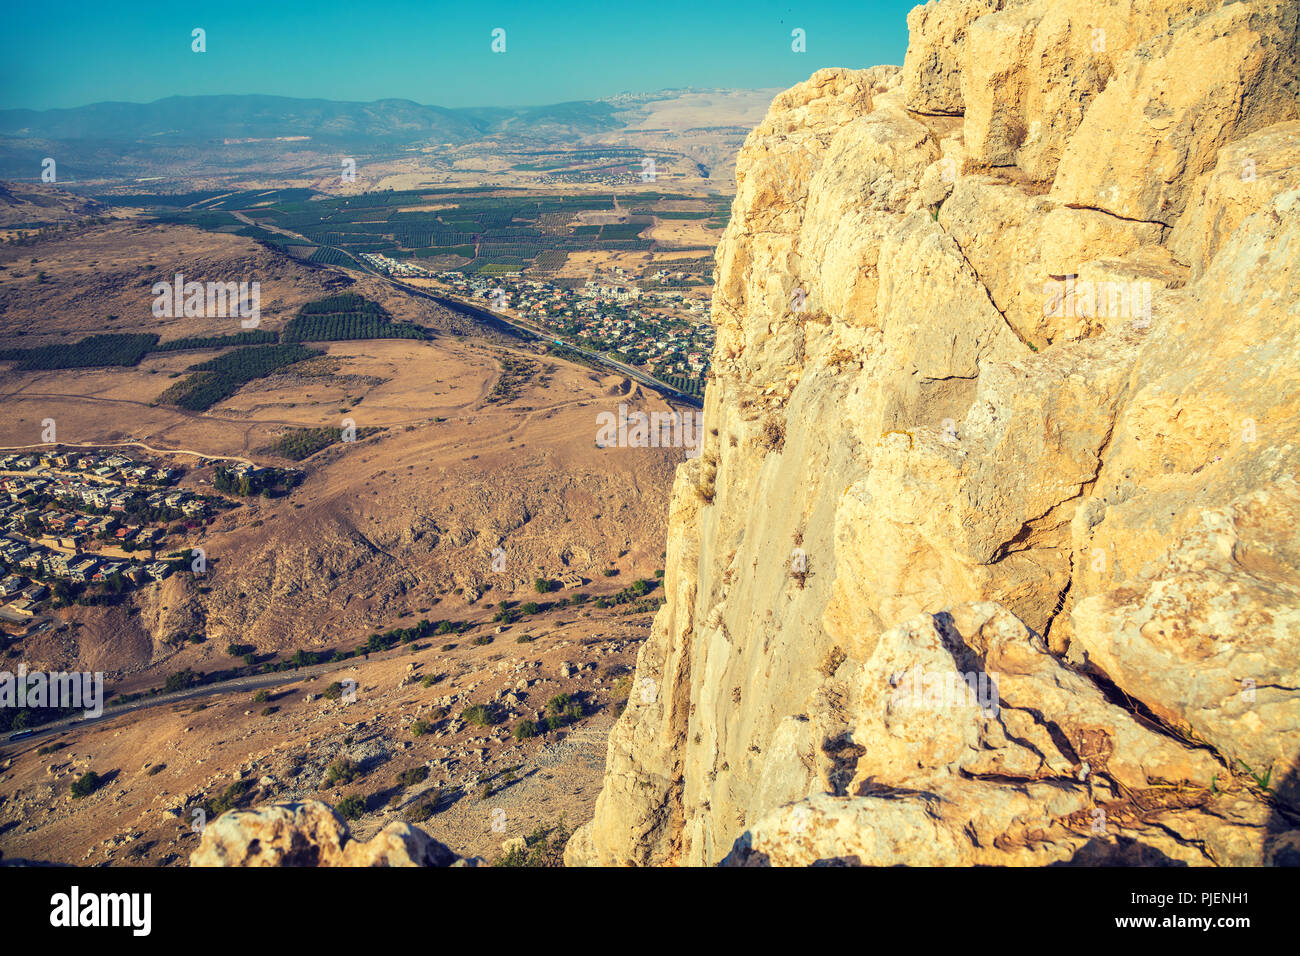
{"x": 180, "y": 120}
{"x": 183, "y": 138}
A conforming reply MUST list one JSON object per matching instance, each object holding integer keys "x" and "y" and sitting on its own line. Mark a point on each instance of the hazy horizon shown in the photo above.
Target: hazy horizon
{"x": 395, "y": 99}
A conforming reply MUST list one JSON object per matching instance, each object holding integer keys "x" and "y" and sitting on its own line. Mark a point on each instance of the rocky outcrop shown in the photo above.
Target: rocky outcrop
{"x": 312, "y": 834}
{"x": 992, "y": 554}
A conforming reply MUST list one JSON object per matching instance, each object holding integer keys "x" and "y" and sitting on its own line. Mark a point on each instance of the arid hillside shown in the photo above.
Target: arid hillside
{"x": 460, "y": 468}
{"x": 404, "y": 746}
{"x": 27, "y": 208}
{"x": 467, "y": 442}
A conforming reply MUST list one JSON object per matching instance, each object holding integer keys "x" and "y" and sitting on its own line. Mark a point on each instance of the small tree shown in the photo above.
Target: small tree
{"x": 86, "y": 784}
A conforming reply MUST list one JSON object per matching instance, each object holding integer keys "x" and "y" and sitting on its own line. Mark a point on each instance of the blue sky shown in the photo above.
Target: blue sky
{"x": 435, "y": 52}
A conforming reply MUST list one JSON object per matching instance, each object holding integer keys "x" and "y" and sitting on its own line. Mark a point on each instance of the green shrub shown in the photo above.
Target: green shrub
{"x": 341, "y": 771}
{"x": 542, "y": 847}
{"x": 86, "y": 784}
{"x": 429, "y": 803}
{"x": 351, "y": 807}
{"x": 481, "y": 715}
{"x": 420, "y": 727}
{"x": 228, "y": 799}
{"x": 413, "y": 775}
{"x": 524, "y": 730}
{"x": 557, "y": 704}
{"x": 181, "y": 680}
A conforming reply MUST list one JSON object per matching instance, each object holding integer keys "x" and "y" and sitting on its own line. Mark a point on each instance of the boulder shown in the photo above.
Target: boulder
{"x": 312, "y": 834}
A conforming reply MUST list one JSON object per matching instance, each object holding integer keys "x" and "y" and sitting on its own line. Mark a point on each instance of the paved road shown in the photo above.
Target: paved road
{"x": 547, "y": 336}
{"x": 515, "y": 323}
{"x": 253, "y": 682}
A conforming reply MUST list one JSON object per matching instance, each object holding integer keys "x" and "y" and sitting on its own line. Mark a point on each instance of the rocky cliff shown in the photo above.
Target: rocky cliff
{"x": 993, "y": 551}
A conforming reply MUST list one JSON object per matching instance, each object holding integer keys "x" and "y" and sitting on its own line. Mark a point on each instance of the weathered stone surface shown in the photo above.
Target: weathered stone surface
{"x": 1206, "y": 640}
{"x": 898, "y": 827}
{"x": 1025, "y": 715}
{"x": 1028, "y": 73}
{"x": 312, "y": 834}
{"x": 999, "y": 229}
{"x": 871, "y": 168}
{"x": 1002, "y": 429}
{"x": 1249, "y": 173}
{"x": 1032, "y": 70}
{"x": 932, "y": 68}
{"x": 1175, "y": 101}
{"x": 974, "y": 745}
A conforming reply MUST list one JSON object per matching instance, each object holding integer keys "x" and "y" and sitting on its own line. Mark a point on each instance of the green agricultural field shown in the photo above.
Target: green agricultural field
{"x": 346, "y": 317}
{"x": 258, "y": 337}
{"x": 92, "y": 351}
{"x": 217, "y": 379}
{"x": 509, "y": 230}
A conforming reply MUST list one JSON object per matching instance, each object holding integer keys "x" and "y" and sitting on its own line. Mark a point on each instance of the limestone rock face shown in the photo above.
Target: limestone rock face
{"x": 312, "y": 834}
{"x": 1249, "y": 173}
{"x": 1175, "y": 102}
{"x": 990, "y": 555}
{"x": 932, "y": 69}
{"x": 1030, "y": 70}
